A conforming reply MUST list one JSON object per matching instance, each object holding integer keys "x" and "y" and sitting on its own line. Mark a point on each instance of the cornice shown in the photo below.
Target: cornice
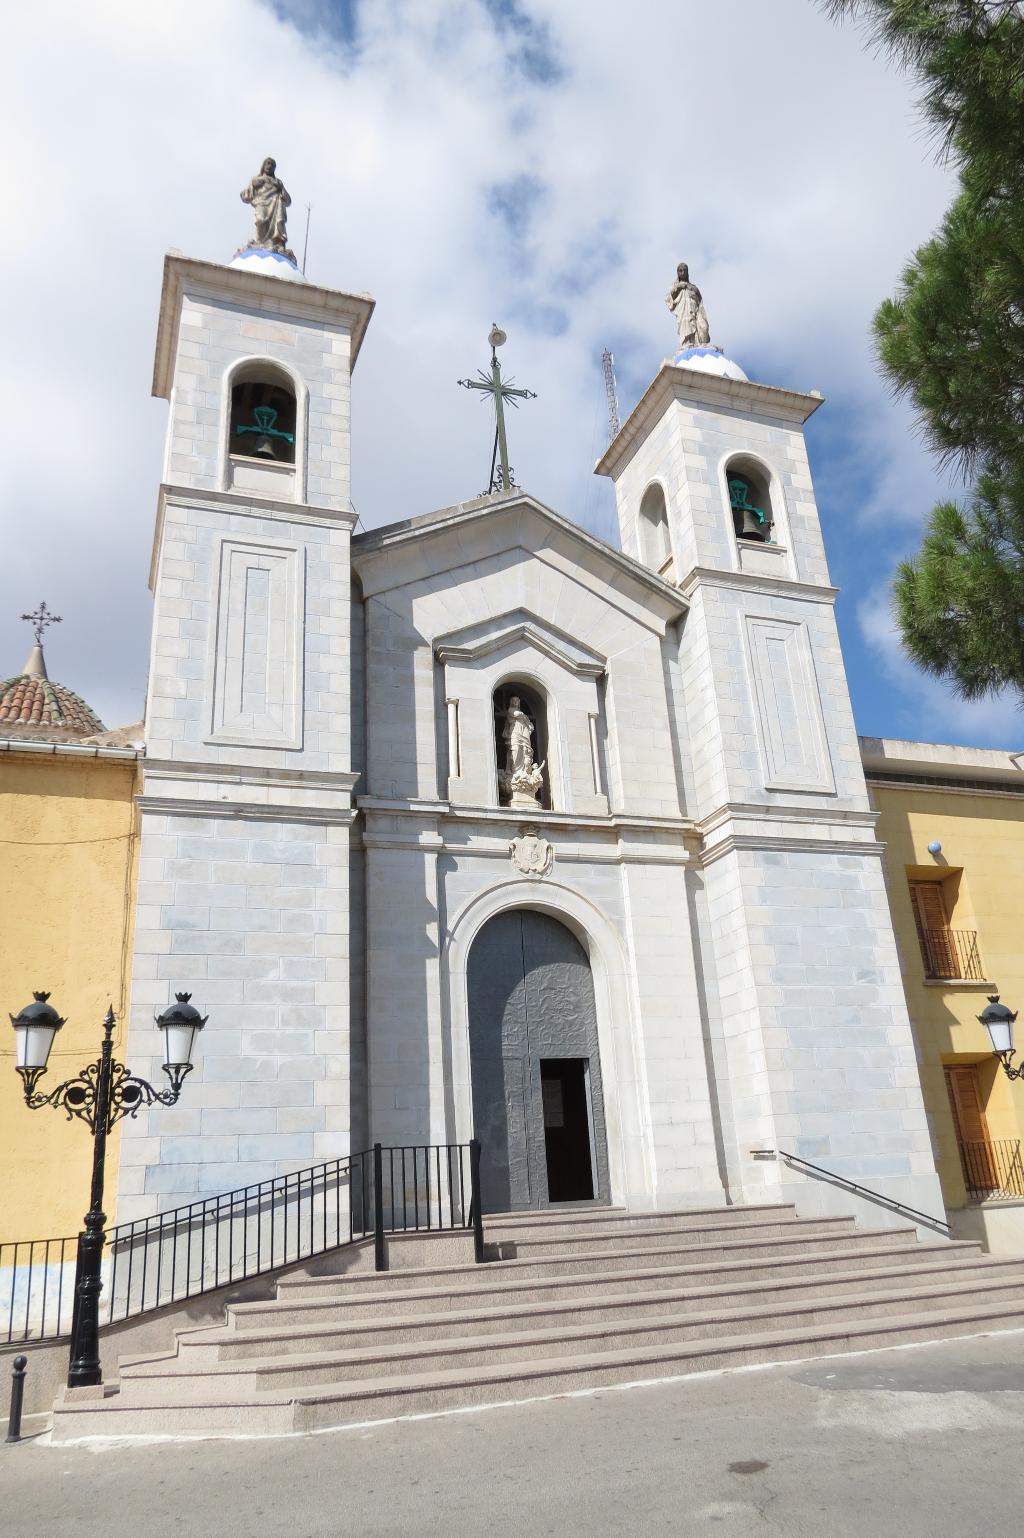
{"x": 285, "y": 778}
{"x": 691, "y": 387}
{"x": 758, "y": 841}
{"x": 757, "y": 582}
{"x": 251, "y": 811}
{"x": 752, "y": 811}
{"x": 243, "y": 504}
{"x": 506, "y": 817}
{"x": 518, "y": 625}
{"x": 257, "y": 292}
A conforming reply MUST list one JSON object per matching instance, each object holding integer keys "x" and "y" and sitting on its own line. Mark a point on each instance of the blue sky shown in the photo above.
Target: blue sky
{"x": 542, "y": 163}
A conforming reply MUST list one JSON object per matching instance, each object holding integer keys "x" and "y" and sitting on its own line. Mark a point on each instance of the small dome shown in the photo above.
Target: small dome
{"x": 272, "y": 264}
{"x": 32, "y": 705}
{"x": 708, "y": 360}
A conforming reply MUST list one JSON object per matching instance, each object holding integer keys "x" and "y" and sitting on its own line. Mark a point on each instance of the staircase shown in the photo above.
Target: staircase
{"x": 569, "y": 1299}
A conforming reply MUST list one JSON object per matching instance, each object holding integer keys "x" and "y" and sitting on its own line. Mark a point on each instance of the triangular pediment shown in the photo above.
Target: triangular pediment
{"x": 519, "y": 627}
{"x": 422, "y": 549}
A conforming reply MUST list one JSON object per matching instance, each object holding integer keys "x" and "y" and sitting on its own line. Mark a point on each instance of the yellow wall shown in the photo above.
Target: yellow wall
{"x": 67, "y": 854}
{"x": 984, "y": 836}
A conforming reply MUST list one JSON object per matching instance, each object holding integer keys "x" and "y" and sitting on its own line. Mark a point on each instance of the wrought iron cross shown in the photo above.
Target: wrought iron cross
{"x": 500, "y": 391}
{"x": 39, "y": 621}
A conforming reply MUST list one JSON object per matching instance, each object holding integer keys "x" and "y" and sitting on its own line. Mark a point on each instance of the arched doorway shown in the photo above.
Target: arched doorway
{"x": 538, "y": 1105}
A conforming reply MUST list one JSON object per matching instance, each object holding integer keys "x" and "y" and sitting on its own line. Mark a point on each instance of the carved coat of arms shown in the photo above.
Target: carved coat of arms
{"x": 531, "y": 853}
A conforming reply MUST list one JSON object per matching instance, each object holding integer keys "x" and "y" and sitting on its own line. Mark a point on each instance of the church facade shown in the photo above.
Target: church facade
{"x": 473, "y": 825}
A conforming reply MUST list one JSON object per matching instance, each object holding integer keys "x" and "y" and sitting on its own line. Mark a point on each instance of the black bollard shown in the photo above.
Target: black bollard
{"x": 17, "y": 1398}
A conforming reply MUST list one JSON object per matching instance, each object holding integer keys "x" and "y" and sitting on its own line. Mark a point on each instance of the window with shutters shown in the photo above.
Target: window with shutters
{"x": 977, "y": 1154}
{"x": 947, "y": 952}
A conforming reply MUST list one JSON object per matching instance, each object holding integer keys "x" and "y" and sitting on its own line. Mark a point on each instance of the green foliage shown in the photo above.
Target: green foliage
{"x": 952, "y": 339}
{"x": 960, "y": 603}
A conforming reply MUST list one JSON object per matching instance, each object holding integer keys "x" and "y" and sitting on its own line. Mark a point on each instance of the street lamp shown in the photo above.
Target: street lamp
{"x": 998, "y": 1021}
{"x": 100, "y": 1095}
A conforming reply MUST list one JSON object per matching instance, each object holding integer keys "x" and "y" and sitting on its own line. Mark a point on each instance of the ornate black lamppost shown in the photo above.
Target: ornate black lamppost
{"x": 998, "y": 1021}
{"x": 100, "y": 1095}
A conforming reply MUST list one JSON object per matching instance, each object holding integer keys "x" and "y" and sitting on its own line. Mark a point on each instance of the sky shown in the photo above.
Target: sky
{"x": 542, "y": 163}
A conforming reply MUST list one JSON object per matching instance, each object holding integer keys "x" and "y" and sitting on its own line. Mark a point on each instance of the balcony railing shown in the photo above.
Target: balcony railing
{"x": 993, "y": 1171}
{"x": 951, "y": 953}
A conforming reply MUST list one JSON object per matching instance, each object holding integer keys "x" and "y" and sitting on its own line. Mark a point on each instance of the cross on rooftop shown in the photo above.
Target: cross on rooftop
{"x": 39, "y": 621}
{"x": 500, "y": 390}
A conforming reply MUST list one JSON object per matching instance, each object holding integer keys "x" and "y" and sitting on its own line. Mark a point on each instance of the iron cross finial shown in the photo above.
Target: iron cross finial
{"x": 500, "y": 391}
{"x": 39, "y": 621}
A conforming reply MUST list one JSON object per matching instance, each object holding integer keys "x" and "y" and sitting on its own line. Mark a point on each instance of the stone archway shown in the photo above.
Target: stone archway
{"x": 538, "y": 1100}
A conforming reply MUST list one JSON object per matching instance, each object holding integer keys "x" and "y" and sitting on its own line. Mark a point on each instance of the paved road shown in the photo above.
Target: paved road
{"x": 919, "y": 1443}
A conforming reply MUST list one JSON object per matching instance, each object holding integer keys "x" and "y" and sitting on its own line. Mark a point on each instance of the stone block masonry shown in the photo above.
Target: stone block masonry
{"x": 251, "y": 916}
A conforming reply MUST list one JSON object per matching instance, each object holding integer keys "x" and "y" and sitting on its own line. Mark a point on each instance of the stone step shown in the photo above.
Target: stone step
{"x": 533, "y": 1242}
{"x": 355, "y": 1402}
{"x": 151, "y": 1380}
{"x": 795, "y": 1240}
{"x": 499, "y": 1313}
{"x": 585, "y": 1219}
{"x": 498, "y": 1284}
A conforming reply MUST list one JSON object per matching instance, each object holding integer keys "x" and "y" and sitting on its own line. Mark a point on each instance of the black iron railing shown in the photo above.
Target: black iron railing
{"x": 951, "y": 953}
{"x": 993, "y": 1171}
{"x": 817, "y": 1172}
{"x": 241, "y": 1234}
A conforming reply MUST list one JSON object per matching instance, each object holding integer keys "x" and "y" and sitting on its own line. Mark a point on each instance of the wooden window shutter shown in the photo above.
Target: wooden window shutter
{"x": 938, "y": 947}
{"x": 929, "y": 906}
{"x": 972, "y": 1137}
{"x": 965, "y": 1099}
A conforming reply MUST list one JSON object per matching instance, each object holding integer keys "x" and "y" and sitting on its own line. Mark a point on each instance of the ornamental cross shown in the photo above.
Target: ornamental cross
{"x": 500, "y": 390}
{"x": 39, "y": 621}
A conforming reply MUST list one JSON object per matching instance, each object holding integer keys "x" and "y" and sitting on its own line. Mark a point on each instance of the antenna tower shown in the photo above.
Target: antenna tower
{"x": 610, "y": 390}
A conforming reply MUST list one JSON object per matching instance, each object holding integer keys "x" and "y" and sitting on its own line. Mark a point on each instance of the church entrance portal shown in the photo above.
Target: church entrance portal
{"x": 537, "y": 1098}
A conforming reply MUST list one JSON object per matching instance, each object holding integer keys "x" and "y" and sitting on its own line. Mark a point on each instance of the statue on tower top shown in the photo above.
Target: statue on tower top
{"x": 686, "y": 304}
{"x": 269, "y": 199}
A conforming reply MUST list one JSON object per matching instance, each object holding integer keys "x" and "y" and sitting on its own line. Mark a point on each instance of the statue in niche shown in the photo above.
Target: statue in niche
{"x": 270, "y": 201}
{"x": 686, "y": 304}
{"x": 521, "y": 779}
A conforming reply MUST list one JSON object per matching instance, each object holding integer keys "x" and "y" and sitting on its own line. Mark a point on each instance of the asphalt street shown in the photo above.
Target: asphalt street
{"x": 925, "y": 1442}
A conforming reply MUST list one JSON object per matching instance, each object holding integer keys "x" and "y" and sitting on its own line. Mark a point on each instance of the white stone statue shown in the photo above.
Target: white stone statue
{"x": 270, "y": 201}
{"x": 686, "y": 304}
{"x": 521, "y": 778}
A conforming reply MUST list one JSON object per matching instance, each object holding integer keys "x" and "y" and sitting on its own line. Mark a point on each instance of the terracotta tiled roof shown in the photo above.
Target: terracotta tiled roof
{"x": 38, "y": 705}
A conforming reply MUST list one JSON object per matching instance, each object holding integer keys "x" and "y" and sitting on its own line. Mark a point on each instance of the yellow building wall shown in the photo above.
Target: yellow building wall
{"x": 983, "y": 836}
{"x": 67, "y": 855}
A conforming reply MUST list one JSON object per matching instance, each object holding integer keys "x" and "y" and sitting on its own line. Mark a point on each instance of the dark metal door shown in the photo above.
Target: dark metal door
{"x": 531, "y": 996}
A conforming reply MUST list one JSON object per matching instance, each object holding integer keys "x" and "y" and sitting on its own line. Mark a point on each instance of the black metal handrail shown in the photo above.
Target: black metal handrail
{"x": 237, "y": 1235}
{"x": 938, "y": 1224}
{"x": 993, "y": 1171}
{"x": 952, "y": 954}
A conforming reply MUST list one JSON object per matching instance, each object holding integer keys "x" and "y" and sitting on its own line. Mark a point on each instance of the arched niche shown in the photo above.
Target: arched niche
{"x": 655, "y": 543}
{"x": 750, "y": 500}
{"x": 533, "y": 704}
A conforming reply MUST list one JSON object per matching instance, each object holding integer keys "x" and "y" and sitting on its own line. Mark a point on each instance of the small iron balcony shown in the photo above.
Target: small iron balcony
{"x": 993, "y": 1171}
{"x": 951, "y": 953}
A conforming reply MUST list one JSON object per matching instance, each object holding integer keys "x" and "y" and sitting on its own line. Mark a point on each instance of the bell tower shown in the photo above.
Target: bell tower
{"x": 246, "y": 804}
{"x": 807, "y": 1022}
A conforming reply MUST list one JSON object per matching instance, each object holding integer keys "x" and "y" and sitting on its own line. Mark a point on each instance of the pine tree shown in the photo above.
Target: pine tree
{"x": 952, "y": 338}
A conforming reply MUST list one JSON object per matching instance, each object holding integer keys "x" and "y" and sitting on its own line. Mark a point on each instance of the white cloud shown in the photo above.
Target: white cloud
{"x": 758, "y": 141}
